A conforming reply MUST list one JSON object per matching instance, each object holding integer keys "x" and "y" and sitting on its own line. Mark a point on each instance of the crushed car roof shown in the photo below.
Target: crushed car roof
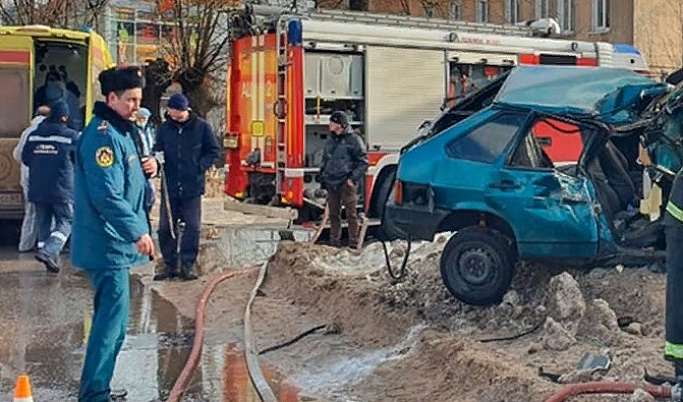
{"x": 614, "y": 96}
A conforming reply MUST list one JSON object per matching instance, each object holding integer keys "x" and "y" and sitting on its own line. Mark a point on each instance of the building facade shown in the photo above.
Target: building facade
{"x": 135, "y": 32}
{"x": 653, "y": 26}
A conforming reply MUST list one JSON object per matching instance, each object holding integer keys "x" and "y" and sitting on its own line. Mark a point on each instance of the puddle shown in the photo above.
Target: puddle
{"x": 47, "y": 319}
{"x": 334, "y": 379}
{"x": 237, "y": 386}
{"x": 157, "y": 346}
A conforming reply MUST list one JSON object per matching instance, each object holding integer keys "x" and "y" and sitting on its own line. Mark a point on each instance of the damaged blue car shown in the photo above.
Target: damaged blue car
{"x": 547, "y": 163}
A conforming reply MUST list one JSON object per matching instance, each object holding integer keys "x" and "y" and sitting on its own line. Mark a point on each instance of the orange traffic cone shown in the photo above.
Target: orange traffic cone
{"x": 22, "y": 391}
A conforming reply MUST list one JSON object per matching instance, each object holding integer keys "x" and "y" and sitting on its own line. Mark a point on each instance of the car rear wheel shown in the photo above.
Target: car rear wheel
{"x": 477, "y": 266}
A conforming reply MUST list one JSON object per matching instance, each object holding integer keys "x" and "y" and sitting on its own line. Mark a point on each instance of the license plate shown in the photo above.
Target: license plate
{"x": 11, "y": 200}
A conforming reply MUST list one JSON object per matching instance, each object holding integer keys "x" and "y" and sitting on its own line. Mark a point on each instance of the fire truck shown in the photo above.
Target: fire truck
{"x": 288, "y": 71}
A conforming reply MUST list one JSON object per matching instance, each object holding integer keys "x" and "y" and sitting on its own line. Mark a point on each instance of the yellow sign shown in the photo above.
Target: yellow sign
{"x": 104, "y": 157}
{"x": 257, "y": 128}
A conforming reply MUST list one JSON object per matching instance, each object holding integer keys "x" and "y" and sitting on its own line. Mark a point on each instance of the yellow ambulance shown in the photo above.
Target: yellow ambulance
{"x": 38, "y": 64}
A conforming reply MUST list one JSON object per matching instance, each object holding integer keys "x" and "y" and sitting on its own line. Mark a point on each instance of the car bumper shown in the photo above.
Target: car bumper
{"x": 414, "y": 222}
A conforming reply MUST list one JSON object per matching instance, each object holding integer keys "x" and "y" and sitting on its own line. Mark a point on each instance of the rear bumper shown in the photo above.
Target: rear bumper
{"x": 418, "y": 223}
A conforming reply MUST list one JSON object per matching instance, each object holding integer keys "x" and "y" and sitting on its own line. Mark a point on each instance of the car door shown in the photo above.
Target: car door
{"x": 550, "y": 212}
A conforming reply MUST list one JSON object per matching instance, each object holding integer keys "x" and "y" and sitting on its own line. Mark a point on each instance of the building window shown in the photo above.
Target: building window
{"x": 601, "y": 9}
{"x": 482, "y": 11}
{"x": 456, "y": 11}
{"x": 565, "y": 14}
{"x": 542, "y": 8}
{"x": 513, "y": 11}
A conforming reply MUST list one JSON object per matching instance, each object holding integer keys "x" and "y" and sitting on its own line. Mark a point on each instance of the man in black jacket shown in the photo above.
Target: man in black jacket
{"x": 345, "y": 161}
{"x": 190, "y": 148}
{"x": 49, "y": 155}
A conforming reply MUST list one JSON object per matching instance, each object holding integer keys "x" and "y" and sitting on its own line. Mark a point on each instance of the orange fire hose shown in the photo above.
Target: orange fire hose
{"x": 607, "y": 388}
{"x": 192, "y": 361}
{"x": 319, "y": 230}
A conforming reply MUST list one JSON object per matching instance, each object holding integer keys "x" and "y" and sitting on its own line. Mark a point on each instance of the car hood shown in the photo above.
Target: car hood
{"x": 613, "y": 96}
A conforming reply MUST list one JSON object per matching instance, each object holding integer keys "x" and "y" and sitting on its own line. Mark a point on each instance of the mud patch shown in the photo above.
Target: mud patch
{"x": 573, "y": 314}
{"x": 550, "y": 318}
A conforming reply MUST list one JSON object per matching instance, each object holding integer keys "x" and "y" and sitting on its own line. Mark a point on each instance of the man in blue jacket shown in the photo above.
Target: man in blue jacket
{"x": 48, "y": 153}
{"x": 189, "y": 148}
{"x": 110, "y": 233}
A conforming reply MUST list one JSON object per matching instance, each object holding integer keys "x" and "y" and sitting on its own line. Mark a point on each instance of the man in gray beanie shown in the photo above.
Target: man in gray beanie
{"x": 345, "y": 161}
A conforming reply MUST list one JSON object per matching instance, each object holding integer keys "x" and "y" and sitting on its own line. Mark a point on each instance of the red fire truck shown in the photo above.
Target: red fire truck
{"x": 289, "y": 71}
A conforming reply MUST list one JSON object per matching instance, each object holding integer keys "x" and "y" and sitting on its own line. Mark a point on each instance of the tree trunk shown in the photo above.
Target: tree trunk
{"x": 197, "y": 87}
{"x": 358, "y": 5}
{"x": 157, "y": 79}
{"x": 200, "y": 97}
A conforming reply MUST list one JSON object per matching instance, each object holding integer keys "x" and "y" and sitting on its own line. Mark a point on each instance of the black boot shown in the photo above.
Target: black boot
{"x": 167, "y": 273}
{"x": 51, "y": 264}
{"x": 187, "y": 272}
{"x": 678, "y": 367}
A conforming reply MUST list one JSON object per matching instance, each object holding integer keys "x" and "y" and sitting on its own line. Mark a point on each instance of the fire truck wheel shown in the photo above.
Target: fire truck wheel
{"x": 477, "y": 266}
{"x": 383, "y": 191}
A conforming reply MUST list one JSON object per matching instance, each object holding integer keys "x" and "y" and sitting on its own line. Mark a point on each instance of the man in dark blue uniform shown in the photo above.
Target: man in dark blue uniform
{"x": 190, "y": 148}
{"x": 110, "y": 231}
{"x": 49, "y": 155}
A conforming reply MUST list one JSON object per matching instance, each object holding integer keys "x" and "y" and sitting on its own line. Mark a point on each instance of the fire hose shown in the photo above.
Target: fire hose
{"x": 606, "y": 387}
{"x": 326, "y": 216}
{"x": 256, "y": 376}
{"x": 321, "y": 227}
{"x": 192, "y": 361}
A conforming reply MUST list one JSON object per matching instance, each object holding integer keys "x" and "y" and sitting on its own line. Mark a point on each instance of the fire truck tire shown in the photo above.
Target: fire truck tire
{"x": 477, "y": 266}
{"x": 381, "y": 196}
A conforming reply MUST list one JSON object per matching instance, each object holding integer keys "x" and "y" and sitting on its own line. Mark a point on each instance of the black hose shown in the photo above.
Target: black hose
{"x": 402, "y": 271}
{"x": 293, "y": 340}
{"x": 516, "y": 336}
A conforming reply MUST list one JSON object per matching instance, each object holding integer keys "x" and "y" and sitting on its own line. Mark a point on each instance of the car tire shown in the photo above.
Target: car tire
{"x": 477, "y": 266}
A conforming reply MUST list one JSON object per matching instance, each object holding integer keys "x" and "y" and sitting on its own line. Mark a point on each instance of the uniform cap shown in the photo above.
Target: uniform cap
{"x": 121, "y": 79}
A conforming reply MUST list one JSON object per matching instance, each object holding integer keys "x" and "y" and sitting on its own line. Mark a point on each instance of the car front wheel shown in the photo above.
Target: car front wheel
{"x": 477, "y": 266}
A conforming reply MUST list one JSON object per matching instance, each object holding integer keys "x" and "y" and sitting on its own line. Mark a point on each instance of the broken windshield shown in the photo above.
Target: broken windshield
{"x": 609, "y": 92}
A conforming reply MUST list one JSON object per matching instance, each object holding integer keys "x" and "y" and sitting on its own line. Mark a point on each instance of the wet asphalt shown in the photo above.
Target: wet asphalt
{"x": 45, "y": 319}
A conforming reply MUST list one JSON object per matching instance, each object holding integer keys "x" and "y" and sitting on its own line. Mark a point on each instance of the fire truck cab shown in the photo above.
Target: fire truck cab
{"x": 391, "y": 74}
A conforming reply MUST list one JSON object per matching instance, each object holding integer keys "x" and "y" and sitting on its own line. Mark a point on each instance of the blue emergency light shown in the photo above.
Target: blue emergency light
{"x": 623, "y": 48}
{"x": 295, "y": 32}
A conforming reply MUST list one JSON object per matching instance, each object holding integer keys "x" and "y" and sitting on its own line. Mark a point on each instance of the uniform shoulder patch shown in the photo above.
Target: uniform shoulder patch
{"x": 103, "y": 127}
{"x": 104, "y": 156}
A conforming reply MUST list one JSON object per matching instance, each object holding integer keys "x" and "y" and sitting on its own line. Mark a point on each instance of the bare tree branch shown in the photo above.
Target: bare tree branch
{"x": 54, "y": 13}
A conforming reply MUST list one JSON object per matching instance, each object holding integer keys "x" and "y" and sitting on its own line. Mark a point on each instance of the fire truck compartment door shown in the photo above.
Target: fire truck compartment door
{"x": 404, "y": 87}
